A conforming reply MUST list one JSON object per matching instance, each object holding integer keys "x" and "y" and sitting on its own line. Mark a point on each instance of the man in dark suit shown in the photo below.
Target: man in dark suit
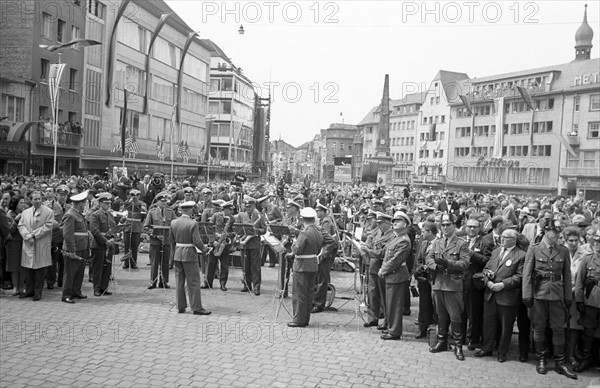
{"x": 427, "y": 314}
{"x": 448, "y": 205}
{"x": 592, "y": 211}
{"x": 144, "y": 187}
{"x": 502, "y": 277}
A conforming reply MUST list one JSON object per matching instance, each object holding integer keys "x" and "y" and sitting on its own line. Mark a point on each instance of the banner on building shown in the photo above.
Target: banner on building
{"x": 342, "y": 171}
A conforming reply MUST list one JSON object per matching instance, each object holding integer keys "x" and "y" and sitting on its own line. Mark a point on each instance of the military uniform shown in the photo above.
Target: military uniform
{"x": 323, "y": 274}
{"x": 102, "y": 252}
{"x": 587, "y": 297}
{"x": 160, "y": 250}
{"x": 76, "y": 234}
{"x": 377, "y": 284}
{"x": 427, "y": 315}
{"x": 448, "y": 286}
{"x": 58, "y": 265}
{"x": 224, "y": 227}
{"x": 133, "y": 230}
{"x": 185, "y": 237}
{"x": 288, "y": 261}
{"x": 547, "y": 289}
{"x": 251, "y": 258}
{"x": 395, "y": 272}
{"x": 273, "y": 216}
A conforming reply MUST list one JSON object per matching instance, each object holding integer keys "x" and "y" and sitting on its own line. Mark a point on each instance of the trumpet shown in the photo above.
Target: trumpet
{"x": 122, "y": 214}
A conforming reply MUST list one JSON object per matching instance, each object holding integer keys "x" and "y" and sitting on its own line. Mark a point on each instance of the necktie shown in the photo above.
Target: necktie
{"x": 497, "y": 240}
{"x": 550, "y": 251}
{"x": 445, "y": 243}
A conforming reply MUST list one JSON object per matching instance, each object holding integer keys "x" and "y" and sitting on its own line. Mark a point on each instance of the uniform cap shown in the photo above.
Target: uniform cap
{"x": 207, "y": 191}
{"x": 164, "y": 194}
{"x": 188, "y": 190}
{"x": 376, "y": 201}
{"x": 371, "y": 214}
{"x": 79, "y": 197}
{"x": 218, "y": 202}
{"x": 135, "y": 192}
{"x": 400, "y": 215}
{"x": 293, "y": 203}
{"x": 262, "y": 199}
{"x": 320, "y": 206}
{"x": 402, "y": 208}
{"x": 63, "y": 189}
{"x": 249, "y": 200}
{"x": 104, "y": 197}
{"x": 383, "y": 217}
{"x": 308, "y": 212}
{"x": 187, "y": 204}
{"x": 227, "y": 205}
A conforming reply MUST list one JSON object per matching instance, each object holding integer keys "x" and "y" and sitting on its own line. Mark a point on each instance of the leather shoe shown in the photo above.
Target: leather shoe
{"x": 59, "y": 284}
{"x": 134, "y": 267}
{"x": 223, "y": 288}
{"x": 382, "y": 327}
{"x": 37, "y": 297}
{"x": 370, "y": 323}
{"x": 152, "y": 286}
{"x": 316, "y": 310}
{"x": 97, "y": 293}
{"x": 106, "y": 293}
{"x": 68, "y": 300}
{"x": 181, "y": 311}
{"x": 502, "y": 358}
{"x": 391, "y": 337}
{"x": 523, "y": 357}
{"x": 163, "y": 285}
{"x": 204, "y": 286}
{"x": 23, "y": 296}
{"x": 202, "y": 312}
{"x": 472, "y": 346}
{"x": 406, "y": 313}
{"x": 421, "y": 334}
{"x": 482, "y": 353}
{"x": 50, "y": 286}
{"x": 245, "y": 289}
{"x": 294, "y": 324}
{"x": 80, "y": 296}
{"x": 458, "y": 352}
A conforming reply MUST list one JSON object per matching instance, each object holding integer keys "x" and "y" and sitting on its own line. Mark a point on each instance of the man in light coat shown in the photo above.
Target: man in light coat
{"x": 35, "y": 226}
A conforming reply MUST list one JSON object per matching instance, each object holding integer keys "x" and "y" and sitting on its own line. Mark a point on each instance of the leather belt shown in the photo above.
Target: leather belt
{"x": 452, "y": 272}
{"x": 182, "y": 245}
{"x": 306, "y": 256}
{"x": 80, "y": 234}
{"x": 132, "y": 219}
{"x": 552, "y": 278}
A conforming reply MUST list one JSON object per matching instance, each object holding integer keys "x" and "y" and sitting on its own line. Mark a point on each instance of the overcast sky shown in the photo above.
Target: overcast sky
{"x": 326, "y": 58}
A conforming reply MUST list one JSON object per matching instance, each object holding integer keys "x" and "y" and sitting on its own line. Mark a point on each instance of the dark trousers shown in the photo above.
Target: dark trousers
{"x": 449, "y": 307}
{"x": 73, "y": 278}
{"x": 395, "y": 295}
{"x": 132, "y": 244}
{"x": 427, "y": 314}
{"x": 285, "y": 271}
{"x": 35, "y": 280}
{"x": 302, "y": 296}
{"x": 322, "y": 281}
{"x": 472, "y": 318}
{"x": 377, "y": 294}
{"x": 524, "y": 325}
{"x": 159, "y": 262}
{"x": 407, "y": 299}
{"x": 552, "y": 314}
{"x": 268, "y": 251}
{"x": 493, "y": 314}
{"x": 251, "y": 268}
{"x": 58, "y": 264}
{"x": 212, "y": 268}
{"x": 101, "y": 268}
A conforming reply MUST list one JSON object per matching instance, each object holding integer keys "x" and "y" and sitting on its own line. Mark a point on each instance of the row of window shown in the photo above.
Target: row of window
{"x": 403, "y": 157}
{"x": 403, "y": 141}
{"x": 439, "y": 136}
{"x": 45, "y": 70}
{"x": 531, "y": 175}
{"x": 404, "y": 109}
{"x": 587, "y": 159}
{"x": 434, "y": 154}
{"x": 404, "y": 125}
{"x": 434, "y": 120}
{"x": 62, "y": 32}
{"x": 475, "y": 152}
{"x": 224, "y": 130}
{"x": 45, "y": 114}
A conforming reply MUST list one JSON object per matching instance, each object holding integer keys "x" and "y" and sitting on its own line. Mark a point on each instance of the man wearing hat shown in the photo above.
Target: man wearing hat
{"x": 251, "y": 245}
{"x": 273, "y": 216}
{"x": 159, "y": 218}
{"x": 101, "y": 222}
{"x": 132, "y": 233}
{"x": 546, "y": 292}
{"x": 396, "y": 274}
{"x": 448, "y": 259}
{"x": 370, "y": 225}
{"x": 188, "y": 195}
{"x": 206, "y": 207}
{"x": 59, "y": 207}
{"x": 293, "y": 221}
{"x": 75, "y": 247}
{"x": 327, "y": 225}
{"x": 311, "y": 242}
{"x": 185, "y": 239}
{"x": 375, "y": 253}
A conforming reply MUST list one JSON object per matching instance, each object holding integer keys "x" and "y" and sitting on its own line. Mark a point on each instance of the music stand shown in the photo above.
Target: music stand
{"x": 244, "y": 230}
{"x": 114, "y": 266}
{"x": 278, "y": 232}
{"x": 207, "y": 233}
{"x": 140, "y": 216}
{"x": 162, "y": 233}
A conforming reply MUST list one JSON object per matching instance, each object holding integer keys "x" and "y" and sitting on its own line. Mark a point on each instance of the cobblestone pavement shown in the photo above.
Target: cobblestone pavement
{"x": 140, "y": 340}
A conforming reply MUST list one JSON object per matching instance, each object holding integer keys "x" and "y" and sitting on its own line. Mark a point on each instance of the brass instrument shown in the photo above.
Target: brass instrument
{"x": 224, "y": 240}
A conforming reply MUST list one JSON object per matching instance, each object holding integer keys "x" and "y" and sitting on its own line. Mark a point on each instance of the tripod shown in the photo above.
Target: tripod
{"x": 113, "y": 275}
{"x": 360, "y": 293}
{"x": 159, "y": 232}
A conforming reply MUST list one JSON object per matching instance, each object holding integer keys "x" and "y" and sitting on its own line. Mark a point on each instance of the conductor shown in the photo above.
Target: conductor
{"x": 185, "y": 238}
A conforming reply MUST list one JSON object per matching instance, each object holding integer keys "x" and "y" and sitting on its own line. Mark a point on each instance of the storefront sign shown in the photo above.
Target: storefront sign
{"x": 497, "y": 162}
{"x": 586, "y": 79}
{"x": 14, "y": 149}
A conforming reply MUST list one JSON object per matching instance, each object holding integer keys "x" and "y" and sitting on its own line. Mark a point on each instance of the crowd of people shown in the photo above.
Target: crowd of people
{"x": 478, "y": 262}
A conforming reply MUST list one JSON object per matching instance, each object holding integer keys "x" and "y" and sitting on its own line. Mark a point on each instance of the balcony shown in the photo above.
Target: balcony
{"x": 591, "y": 172}
{"x": 573, "y": 140}
{"x": 66, "y": 139}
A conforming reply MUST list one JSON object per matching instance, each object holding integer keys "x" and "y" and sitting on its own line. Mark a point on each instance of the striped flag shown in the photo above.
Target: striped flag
{"x": 80, "y": 41}
{"x": 117, "y": 147}
{"x": 157, "y": 146}
{"x": 131, "y": 145}
{"x": 181, "y": 149}
{"x": 54, "y": 76}
{"x": 124, "y": 122}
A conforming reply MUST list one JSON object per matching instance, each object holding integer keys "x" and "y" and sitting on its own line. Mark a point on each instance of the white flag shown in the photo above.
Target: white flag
{"x": 54, "y": 76}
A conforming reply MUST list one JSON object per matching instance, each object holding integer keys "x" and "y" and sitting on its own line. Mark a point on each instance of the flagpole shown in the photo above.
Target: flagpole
{"x": 56, "y": 120}
{"x": 172, "y": 154}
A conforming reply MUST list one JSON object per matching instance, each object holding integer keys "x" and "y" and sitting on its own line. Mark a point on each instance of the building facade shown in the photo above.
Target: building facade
{"x": 336, "y": 141}
{"x": 27, "y": 121}
{"x": 403, "y": 128}
{"x": 160, "y": 141}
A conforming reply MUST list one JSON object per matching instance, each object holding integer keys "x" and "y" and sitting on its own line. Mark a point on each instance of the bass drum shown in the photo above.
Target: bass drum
{"x": 330, "y": 295}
